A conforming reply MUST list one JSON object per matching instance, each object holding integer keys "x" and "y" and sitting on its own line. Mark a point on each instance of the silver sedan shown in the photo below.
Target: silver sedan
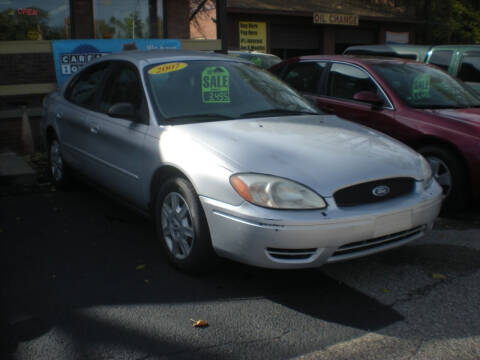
{"x": 231, "y": 162}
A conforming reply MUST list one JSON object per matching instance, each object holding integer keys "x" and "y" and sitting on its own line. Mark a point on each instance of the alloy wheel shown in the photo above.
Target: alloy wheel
{"x": 177, "y": 228}
{"x": 56, "y": 161}
{"x": 441, "y": 173}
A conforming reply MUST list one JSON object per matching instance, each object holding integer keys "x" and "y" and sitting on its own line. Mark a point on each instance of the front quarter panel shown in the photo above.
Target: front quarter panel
{"x": 208, "y": 171}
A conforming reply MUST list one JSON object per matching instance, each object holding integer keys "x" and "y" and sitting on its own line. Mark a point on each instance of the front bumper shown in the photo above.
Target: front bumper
{"x": 309, "y": 238}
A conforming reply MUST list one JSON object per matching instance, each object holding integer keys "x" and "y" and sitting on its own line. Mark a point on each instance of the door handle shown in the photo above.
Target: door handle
{"x": 329, "y": 108}
{"x": 58, "y": 116}
{"x": 94, "y": 129}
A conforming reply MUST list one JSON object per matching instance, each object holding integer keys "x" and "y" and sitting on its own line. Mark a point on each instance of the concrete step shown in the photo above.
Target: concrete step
{"x": 15, "y": 170}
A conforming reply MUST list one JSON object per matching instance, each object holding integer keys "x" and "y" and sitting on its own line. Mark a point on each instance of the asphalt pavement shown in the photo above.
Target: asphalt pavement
{"x": 85, "y": 278}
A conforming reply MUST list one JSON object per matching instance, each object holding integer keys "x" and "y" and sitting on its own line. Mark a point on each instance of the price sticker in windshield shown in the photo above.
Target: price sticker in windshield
{"x": 167, "y": 68}
{"x": 215, "y": 85}
{"x": 421, "y": 87}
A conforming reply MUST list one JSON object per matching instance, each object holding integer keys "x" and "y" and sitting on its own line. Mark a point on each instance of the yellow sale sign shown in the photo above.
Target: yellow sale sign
{"x": 253, "y": 36}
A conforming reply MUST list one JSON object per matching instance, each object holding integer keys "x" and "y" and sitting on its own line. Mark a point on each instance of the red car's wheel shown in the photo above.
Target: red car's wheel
{"x": 449, "y": 172}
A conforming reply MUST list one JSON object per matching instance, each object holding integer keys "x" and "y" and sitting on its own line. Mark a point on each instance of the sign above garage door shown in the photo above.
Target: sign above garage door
{"x": 335, "y": 19}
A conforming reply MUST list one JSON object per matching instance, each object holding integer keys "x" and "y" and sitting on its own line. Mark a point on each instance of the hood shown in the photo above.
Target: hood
{"x": 321, "y": 152}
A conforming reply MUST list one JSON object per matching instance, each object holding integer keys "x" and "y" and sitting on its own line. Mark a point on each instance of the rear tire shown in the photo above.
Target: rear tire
{"x": 57, "y": 168}
{"x": 182, "y": 227}
{"x": 449, "y": 172}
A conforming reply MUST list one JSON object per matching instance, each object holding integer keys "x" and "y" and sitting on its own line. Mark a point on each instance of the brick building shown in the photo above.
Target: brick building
{"x": 290, "y": 27}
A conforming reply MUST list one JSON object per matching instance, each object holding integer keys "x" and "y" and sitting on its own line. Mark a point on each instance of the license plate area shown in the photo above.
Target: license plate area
{"x": 393, "y": 223}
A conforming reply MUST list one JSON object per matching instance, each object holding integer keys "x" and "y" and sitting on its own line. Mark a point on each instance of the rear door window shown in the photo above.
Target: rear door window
{"x": 441, "y": 58}
{"x": 470, "y": 68}
{"x": 83, "y": 88}
{"x": 305, "y": 76}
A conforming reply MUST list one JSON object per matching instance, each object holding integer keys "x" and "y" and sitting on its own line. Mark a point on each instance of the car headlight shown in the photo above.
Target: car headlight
{"x": 426, "y": 172}
{"x": 275, "y": 192}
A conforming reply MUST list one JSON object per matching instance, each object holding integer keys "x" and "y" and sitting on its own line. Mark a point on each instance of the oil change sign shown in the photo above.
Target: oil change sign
{"x": 215, "y": 85}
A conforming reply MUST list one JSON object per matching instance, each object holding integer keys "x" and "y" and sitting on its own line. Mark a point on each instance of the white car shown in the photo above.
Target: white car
{"x": 230, "y": 161}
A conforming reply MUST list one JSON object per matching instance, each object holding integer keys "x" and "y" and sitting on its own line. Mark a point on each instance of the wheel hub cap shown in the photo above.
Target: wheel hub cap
{"x": 441, "y": 173}
{"x": 177, "y": 227}
{"x": 56, "y": 161}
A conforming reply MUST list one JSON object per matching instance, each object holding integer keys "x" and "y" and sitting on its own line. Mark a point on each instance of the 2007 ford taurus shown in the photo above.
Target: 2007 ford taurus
{"x": 230, "y": 161}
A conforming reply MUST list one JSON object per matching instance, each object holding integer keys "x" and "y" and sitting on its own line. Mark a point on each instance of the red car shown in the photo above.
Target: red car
{"x": 415, "y": 103}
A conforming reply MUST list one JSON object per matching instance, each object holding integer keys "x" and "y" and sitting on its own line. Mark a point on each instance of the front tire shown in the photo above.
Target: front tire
{"x": 449, "y": 172}
{"x": 182, "y": 226}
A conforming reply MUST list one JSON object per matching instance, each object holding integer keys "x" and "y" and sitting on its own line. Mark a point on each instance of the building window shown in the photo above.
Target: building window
{"x": 46, "y": 20}
{"x": 128, "y": 19}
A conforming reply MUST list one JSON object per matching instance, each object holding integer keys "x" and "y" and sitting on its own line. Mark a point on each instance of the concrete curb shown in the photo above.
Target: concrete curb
{"x": 15, "y": 170}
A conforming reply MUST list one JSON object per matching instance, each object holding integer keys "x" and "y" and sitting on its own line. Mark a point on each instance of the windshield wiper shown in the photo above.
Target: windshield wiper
{"x": 277, "y": 112}
{"x": 208, "y": 116}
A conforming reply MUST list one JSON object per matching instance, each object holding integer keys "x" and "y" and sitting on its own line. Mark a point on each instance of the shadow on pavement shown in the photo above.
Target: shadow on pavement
{"x": 66, "y": 251}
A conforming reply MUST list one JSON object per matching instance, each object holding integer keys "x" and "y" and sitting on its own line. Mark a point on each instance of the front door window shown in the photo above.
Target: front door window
{"x": 345, "y": 81}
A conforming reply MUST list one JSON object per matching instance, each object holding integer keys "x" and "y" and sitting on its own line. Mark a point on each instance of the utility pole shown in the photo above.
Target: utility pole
{"x": 222, "y": 31}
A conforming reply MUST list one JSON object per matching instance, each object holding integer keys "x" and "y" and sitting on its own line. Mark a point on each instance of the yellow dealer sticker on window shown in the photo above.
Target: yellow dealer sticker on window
{"x": 166, "y": 68}
{"x": 215, "y": 85}
{"x": 421, "y": 87}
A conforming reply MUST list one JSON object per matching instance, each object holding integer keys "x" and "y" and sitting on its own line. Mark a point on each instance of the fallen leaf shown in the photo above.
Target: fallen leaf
{"x": 146, "y": 281}
{"x": 140, "y": 267}
{"x": 199, "y": 323}
{"x": 437, "y": 276}
{"x": 385, "y": 291}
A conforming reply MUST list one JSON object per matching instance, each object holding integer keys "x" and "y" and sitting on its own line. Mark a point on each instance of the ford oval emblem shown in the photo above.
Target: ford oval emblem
{"x": 380, "y": 190}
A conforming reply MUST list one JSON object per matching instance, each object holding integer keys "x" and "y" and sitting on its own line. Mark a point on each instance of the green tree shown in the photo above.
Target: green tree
{"x": 130, "y": 27}
{"x": 451, "y": 21}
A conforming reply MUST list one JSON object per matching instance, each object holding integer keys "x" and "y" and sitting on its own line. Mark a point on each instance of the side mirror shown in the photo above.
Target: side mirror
{"x": 122, "y": 110}
{"x": 369, "y": 97}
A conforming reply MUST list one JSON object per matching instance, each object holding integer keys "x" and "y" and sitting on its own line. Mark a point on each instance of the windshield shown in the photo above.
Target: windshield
{"x": 424, "y": 87}
{"x": 213, "y": 90}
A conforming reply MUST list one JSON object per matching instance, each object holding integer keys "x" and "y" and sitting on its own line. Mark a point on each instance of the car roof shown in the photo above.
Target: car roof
{"x": 462, "y": 47}
{"x": 393, "y": 50}
{"x": 255, "y": 53}
{"x": 377, "y": 47}
{"x": 359, "y": 59}
{"x": 154, "y": 56}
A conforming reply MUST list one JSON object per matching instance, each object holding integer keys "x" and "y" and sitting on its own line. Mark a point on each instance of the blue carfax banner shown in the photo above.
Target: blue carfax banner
{"x": 70, "y": 55}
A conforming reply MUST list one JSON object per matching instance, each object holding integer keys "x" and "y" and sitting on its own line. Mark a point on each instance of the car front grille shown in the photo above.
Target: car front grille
{"x": 371, "y": 244}
{"x": 364, "y": 193}
{"x": 291, "y": 254}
